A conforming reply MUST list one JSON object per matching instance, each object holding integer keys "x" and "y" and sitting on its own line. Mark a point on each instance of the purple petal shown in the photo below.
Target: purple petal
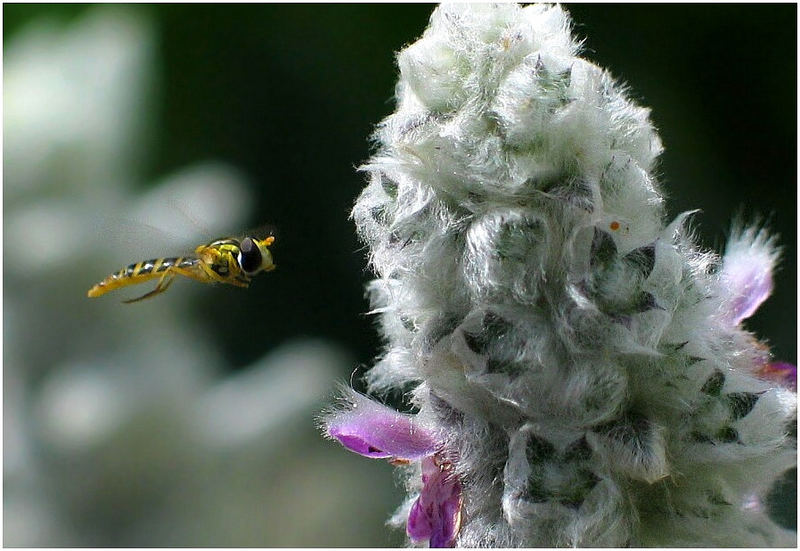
{"x": 747, "y": 272}
{"x": 374, "y": 430}
{"x": 781, "y": 372}
{"x": 436, "y": 514}
{"x": 419, "y": 526}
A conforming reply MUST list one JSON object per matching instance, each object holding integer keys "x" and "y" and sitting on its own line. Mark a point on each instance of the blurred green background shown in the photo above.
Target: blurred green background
{"x": 284, "y": 98}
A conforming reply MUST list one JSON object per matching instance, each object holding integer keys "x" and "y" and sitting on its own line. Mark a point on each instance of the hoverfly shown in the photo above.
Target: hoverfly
{"x": 228, "y": 260}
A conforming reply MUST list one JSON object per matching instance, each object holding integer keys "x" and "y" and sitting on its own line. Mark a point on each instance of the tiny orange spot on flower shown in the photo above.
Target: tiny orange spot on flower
{"x": 614, "y": 225}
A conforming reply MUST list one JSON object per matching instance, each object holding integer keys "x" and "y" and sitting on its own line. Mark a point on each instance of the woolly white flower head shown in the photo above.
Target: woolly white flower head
{"x": 581, "y": 362}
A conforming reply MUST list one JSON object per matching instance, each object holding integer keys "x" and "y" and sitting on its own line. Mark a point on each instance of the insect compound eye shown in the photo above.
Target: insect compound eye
{"x": 249, "y": 256}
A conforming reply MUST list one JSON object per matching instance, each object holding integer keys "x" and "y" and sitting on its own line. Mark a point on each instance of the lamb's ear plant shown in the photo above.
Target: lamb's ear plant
{"x": 579, "y": 365}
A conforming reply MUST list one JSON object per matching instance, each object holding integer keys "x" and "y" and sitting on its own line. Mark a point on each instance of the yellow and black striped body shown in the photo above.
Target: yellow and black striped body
{"x": 230, "y": 260}
{"x": 147, "y": 270}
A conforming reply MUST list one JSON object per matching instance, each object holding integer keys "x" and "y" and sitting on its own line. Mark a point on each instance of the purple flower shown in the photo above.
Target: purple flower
{"x": 781, "y": 372}
{"x": 747, "y": 272}
{"x": 376, "y": 431}
{"x": 436, "y": 514}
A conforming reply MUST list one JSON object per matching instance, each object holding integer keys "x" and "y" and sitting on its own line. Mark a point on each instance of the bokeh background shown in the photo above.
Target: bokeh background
{"x": 136, "y": 131}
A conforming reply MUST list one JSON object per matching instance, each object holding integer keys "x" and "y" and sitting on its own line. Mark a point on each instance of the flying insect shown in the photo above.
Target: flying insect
{"x": 230, "y": 260}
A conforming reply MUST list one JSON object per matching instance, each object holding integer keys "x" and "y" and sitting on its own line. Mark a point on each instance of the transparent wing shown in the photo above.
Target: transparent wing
{"x": 187, "y": 209}
{"x": 121, "y": 237}
{"x": 203, "y": 202}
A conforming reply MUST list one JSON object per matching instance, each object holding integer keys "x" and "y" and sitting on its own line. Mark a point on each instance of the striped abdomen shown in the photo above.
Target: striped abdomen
{"x": 144, "y": 271}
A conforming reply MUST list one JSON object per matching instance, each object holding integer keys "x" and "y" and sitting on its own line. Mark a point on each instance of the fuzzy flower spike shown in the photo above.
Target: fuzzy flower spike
{"x": 580, "y": 369}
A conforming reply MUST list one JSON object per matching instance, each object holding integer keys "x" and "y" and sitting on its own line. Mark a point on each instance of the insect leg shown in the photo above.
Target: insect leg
{"x": 163, "y": 284}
